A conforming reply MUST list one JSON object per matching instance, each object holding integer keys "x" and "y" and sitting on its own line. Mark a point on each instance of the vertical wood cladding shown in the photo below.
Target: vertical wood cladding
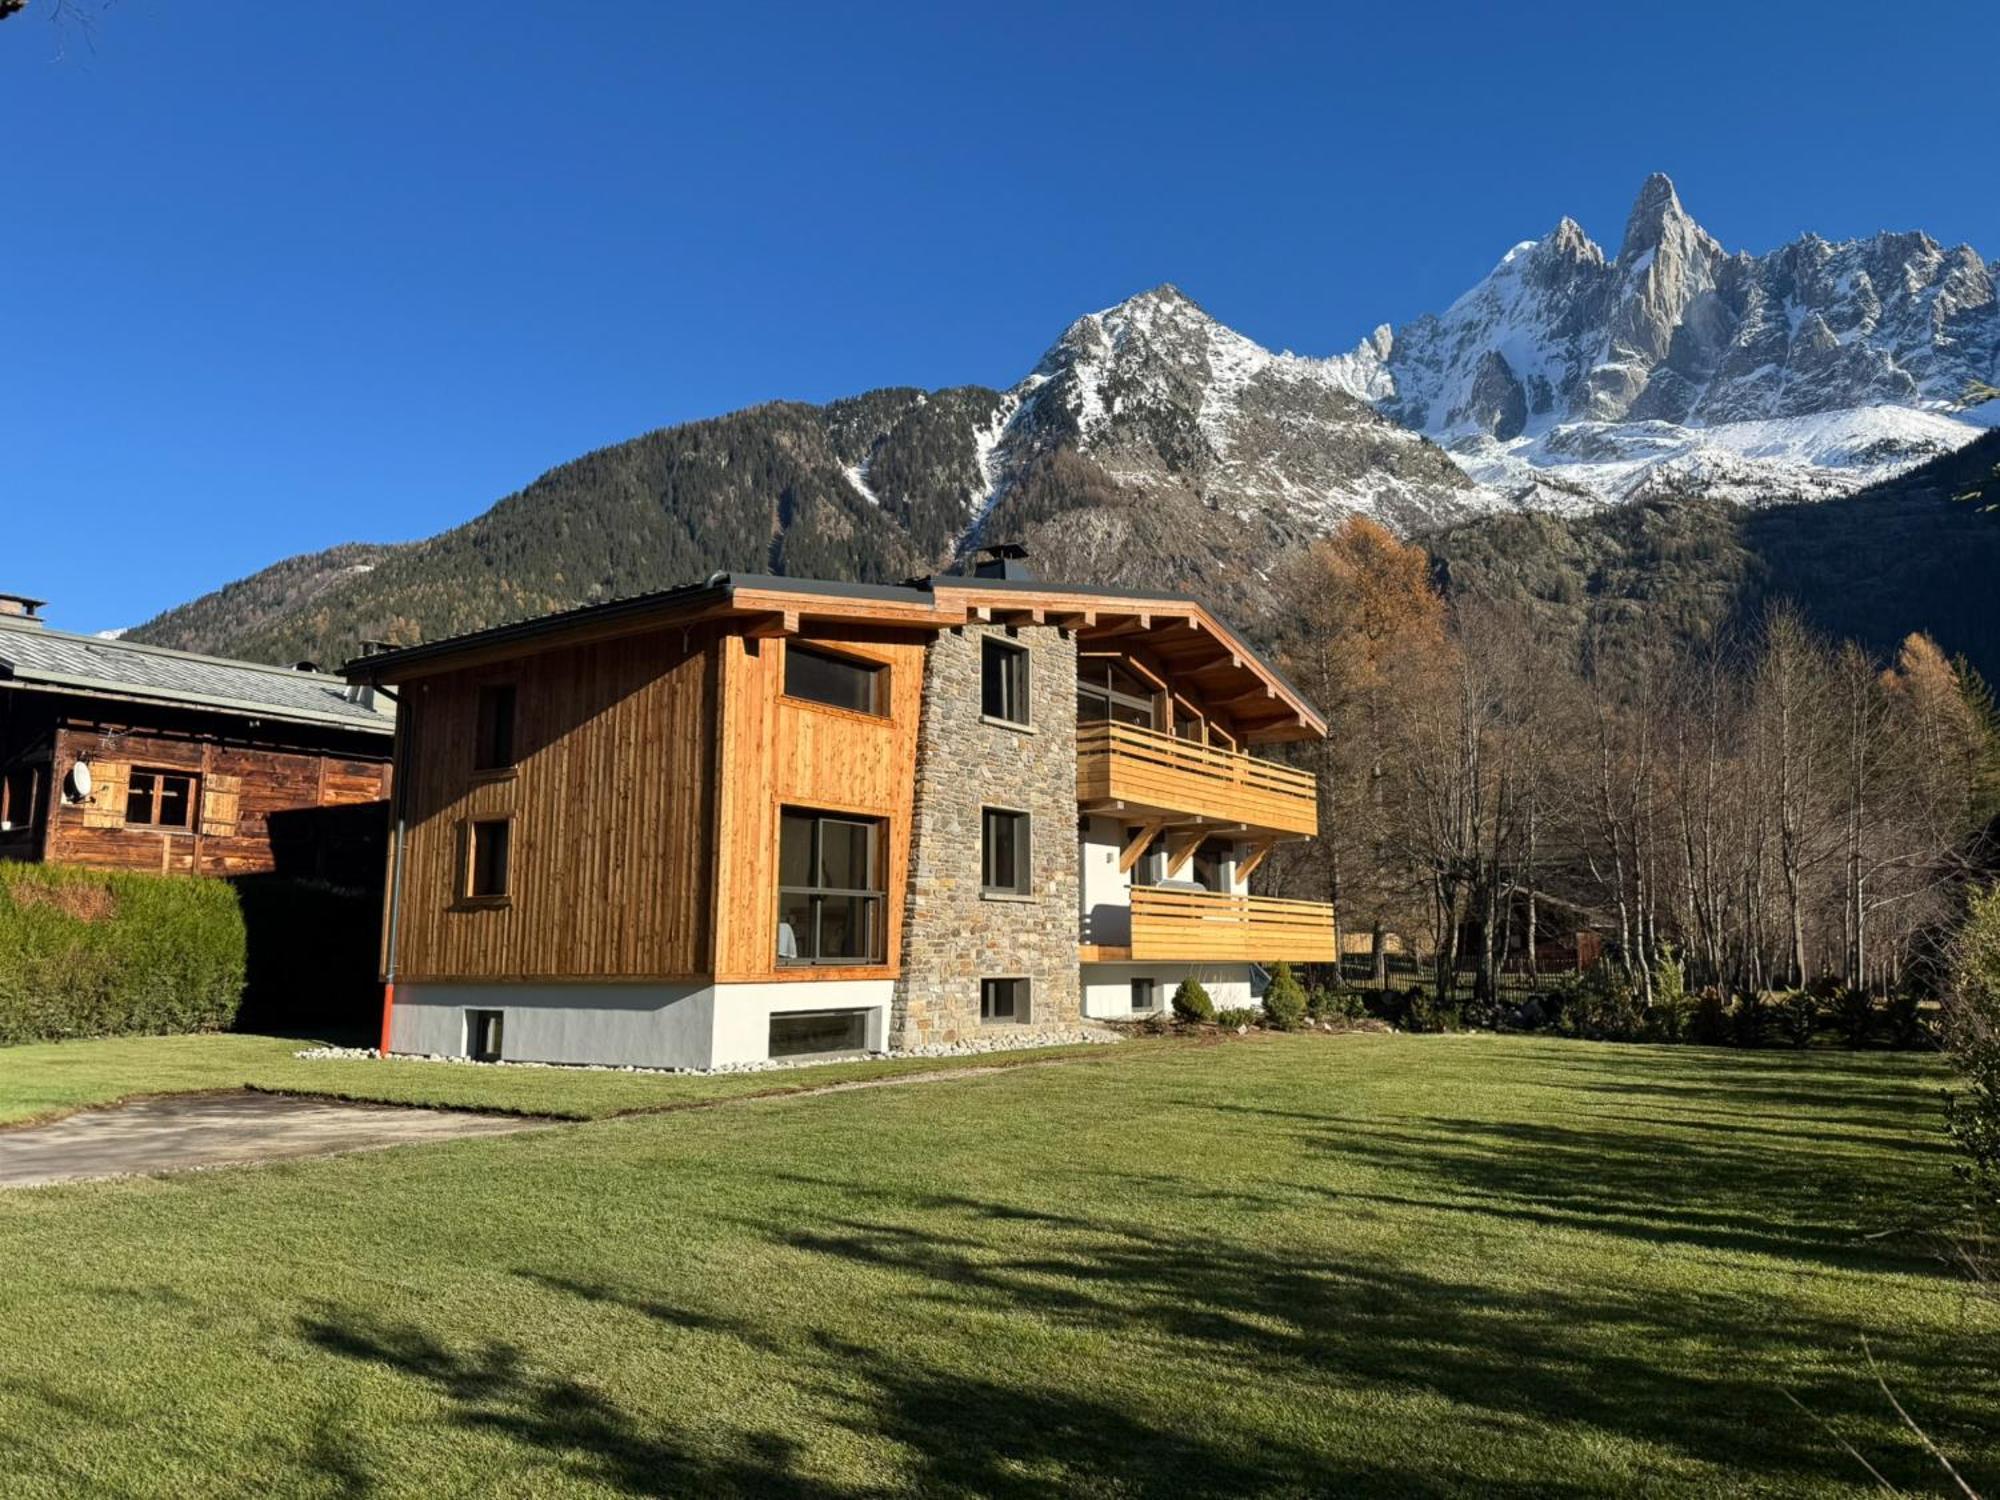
{"x": 781, "y": 752}
{"x": 242, "y": 787}
{"x": 612, "y": 806}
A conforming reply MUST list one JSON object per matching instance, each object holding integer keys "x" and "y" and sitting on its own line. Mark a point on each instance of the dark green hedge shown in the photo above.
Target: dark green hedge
{"x": 95, "y": 953}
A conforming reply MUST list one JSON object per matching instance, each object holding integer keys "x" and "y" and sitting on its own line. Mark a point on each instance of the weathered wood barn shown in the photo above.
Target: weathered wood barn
{"x": 124, "y": 756}
{"x": 765, "y": 817}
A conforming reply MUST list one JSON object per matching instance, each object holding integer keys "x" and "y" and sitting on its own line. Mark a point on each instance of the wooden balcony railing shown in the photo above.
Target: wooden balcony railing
{"x": 1151, "y": 772}
{"x": 1199, "y": 927}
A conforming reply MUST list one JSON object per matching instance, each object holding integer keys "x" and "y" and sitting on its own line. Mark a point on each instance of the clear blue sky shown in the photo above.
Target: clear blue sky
{"x": 278, "y": 275}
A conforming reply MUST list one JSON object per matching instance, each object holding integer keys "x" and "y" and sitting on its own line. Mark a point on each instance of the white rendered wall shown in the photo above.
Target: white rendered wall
{"x": 691, "y": 1025}
{"x": 743, "y": 1012}
{"x": 1107, "y": 988}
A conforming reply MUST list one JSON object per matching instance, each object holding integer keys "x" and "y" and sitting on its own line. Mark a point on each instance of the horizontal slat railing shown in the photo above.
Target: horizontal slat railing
{"x": 1147, "y": 768}
{"x": 1200, "y": 926}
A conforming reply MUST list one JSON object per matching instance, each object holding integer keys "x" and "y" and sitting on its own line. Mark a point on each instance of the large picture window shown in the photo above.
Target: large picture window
{"x": 161, "y": 799}
{"x": 1003, "y": 681}
{"x": 835, "y": 680}
{"x": 1105, "y": 690}
{"x": 830, "y": 889}
{"x": 1003, "y": 852}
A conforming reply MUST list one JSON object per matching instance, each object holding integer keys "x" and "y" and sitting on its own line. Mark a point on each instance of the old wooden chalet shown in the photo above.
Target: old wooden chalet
{"x": 124, "y": 756}
{"x": 766, "y": 817}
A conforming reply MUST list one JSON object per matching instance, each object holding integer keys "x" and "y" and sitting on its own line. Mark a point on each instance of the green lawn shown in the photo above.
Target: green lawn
{"x": 55, "y": 1078}
{"x": 1363, "y": 1265}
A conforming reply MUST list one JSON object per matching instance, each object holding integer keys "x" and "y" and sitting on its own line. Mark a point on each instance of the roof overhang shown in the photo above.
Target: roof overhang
{"x": 82, "y": 687}
{"x": 1181, "y": 634}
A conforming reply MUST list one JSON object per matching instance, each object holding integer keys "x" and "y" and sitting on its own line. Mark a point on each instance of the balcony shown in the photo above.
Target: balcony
{"x": 1148, "y": 773}
{"x": 1200, "y": 927}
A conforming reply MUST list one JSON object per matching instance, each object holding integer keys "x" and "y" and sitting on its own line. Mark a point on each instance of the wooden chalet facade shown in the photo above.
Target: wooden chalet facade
{"x": 123, "y": 756}
{"x": 764, "y": 817}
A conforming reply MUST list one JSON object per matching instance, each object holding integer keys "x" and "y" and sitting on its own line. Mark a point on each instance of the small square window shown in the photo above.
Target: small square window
{"x": 482, "y": 1035}
{"x": 494, "y": 743}
{"x": 490, "y": 858}
{"x": 1003, "y": 852}
{"x": 1145, "y": 996}
{"x": 1003, "y": 680}
{"x": 1003, "y": 1002}
{"x": 160, "y": 799}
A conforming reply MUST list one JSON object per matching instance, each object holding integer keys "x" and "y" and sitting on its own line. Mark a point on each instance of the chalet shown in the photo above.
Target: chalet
{"x": 765, "y": 817}
{"x": 124, "y": 756}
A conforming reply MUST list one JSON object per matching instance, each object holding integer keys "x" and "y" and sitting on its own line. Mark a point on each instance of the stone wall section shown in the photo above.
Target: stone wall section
{"x": 953, "y": 935}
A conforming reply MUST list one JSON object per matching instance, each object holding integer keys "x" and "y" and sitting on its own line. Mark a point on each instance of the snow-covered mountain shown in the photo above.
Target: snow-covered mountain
{"x": 1567, "y": 378}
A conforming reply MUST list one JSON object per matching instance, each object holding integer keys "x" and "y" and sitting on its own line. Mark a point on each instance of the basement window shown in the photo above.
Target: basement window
{"x": 161, "y": 799}
{"x": 488, "y": 859}
{"x": 1003, "y": 681}
{"x": 1003, "y": 1002}
{"x": 836, "y": 681}
{"x": 819, "y": 1033}
{"x": 493, "y": 745}
{"x": 1145, "y": 996}
{"x": 482, "y": 1035}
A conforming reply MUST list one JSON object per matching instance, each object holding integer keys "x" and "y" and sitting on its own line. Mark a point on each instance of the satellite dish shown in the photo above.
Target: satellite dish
{"x": 79, "y": 780}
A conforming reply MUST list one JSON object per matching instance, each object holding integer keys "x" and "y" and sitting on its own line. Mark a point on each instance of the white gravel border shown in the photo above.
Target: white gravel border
{"x": 972, "y": 1047}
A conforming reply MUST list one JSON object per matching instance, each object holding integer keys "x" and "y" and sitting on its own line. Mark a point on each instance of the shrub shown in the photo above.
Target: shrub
{"x": 97, "y": 953}
{"x": 1425, "y": 1012}
{"x": 1191, "y": 1002}
{"x": 1670, "y": 1016}
{"x": 1602, "y": 1007}
{"x": 1972, "y": 1032}
{"x": 1854, "y": 1013}
{"x": 1797, "y": 1017}
{"x": 1235, "y": 1016}
{"x": 1709, "y": 1025}
{"x": 1335, "y": 1004}
{"x": 1751, "y": 1014}
{"x": 1284, "y": 999}
{"x": 1906, "y": 1017}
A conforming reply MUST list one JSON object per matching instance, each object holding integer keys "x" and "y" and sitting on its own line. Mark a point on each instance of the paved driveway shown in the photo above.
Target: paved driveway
{"x": 176, "y": 1132}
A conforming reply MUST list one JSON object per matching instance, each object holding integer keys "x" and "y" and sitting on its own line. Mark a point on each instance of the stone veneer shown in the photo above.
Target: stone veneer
{"x": 952, "y": 935}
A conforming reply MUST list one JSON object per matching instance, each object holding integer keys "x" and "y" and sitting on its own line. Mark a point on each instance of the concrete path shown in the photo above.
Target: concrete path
{"x": 177, "y": 1132}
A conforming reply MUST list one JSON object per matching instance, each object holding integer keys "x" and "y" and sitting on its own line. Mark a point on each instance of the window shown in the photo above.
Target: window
{"x": 1145, "y": 995}
{"x": 819, "y": 1033}
{"x": 1003, "y": 1001}
{"x": 161, "y": 799}
{"x": 830, "y": 886}
{"x": 1105, "y": 690}
{"x": 837, "y": 681}
{"x": 20, "y": 792}
{"x": 1003, "y": 852}
{"x": 482, "y": 1035}
{"x": 494, "y": 744}
{"x": 487, "y": 876}
{"x": 1003, "y": 680}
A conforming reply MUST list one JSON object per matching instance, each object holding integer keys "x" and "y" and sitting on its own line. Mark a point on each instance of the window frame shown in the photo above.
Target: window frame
{"x": 21, "y": 799}
{"x": 874, "y": 903}
{"x": 1018, "y": 658}
{"x": 496, "y": 754}
{"x": 1021, "y": 1000}
{"x": 858, "y": 1018}
{"x": 1023, "y": 885}
{"x": 1113, "y": 698}
{"x": 485, "y": 1023}
{"x": 1152, "y": 991}
{"x": 469, "y": 892}
{"x": 158, "y": 775}
{"x": 877, "y": 670}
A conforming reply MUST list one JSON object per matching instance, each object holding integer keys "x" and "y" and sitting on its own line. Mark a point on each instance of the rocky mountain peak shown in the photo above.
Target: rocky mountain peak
{"x": 1656, "y": 218}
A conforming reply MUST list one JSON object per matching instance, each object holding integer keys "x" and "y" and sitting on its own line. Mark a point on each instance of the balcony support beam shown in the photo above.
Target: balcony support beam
{"x": 1136, "y": 849}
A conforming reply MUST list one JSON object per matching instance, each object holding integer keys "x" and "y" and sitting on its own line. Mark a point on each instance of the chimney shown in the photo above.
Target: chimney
{"x": 21, "y": 607}
{"x": 1007, "y": 560}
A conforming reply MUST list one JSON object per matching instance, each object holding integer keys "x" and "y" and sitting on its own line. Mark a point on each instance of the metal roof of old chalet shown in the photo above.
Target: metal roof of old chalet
{"x": 35, "y": 657}
{"x": 1204, "y": 641}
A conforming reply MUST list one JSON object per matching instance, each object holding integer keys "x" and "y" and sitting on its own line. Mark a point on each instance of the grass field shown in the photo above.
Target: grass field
{"x": 1270, "y": 1266}
{"x": 55, "y": 1078}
